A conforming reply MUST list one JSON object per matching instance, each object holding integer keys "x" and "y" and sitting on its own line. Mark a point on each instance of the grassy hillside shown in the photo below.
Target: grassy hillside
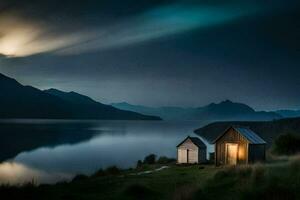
{"x": 268, "y": 130}
{"x": 268, "y": 182}
{"x": 124, "y": 185}
{"x": 260, "y": 182}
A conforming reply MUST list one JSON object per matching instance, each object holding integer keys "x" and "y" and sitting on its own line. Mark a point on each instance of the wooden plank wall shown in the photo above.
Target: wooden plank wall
{"x": 231, "y": 136}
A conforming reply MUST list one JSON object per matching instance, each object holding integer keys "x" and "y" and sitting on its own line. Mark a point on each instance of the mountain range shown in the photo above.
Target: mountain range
{"x": 288, "y": 113}
{"x": 19, "y": 101}
{"x": 225, "y": 110}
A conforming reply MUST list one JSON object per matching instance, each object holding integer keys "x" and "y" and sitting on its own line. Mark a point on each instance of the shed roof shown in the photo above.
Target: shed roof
{"x": 197, "y": 141}
{"x": 251, "y": 136}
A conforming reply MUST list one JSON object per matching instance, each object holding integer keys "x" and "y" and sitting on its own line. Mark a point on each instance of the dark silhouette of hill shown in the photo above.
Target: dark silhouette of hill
{"x": 18, "y": 101}
{"x": 289, "y": 113}
{"x": 228, "y": 110}
{"x": 225, "y": 110}
{"x": 268, "y": 130}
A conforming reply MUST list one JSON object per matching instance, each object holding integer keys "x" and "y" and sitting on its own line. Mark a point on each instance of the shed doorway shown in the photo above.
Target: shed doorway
{"x": 187, "y": 156}
{"x": 232, "y": 153}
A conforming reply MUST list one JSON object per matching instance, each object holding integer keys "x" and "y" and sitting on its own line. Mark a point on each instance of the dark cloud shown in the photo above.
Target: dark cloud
{"x": 251, "y": 57}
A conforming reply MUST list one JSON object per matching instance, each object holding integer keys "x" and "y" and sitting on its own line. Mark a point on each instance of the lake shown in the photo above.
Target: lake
{"x": 48, "y": 151}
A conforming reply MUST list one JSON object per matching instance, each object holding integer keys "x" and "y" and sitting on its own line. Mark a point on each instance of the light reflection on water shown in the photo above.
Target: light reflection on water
{"x": 17, "y": 173}
{"x": 119, "y": 143}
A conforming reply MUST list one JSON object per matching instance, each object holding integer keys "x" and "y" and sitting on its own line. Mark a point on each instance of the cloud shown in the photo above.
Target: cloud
{"x": 19, "y": 37}
{"x": 89, "y": 30}
{"x": 157, "y": 23}
{"x": 31, "y": 27}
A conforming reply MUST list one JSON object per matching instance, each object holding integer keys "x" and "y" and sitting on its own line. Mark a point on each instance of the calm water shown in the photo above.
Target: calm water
{"x": 48, "y": 151}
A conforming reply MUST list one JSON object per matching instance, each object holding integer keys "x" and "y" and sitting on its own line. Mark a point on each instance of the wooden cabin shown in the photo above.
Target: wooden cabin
{"x": 239, "y": 145}
{"x": 191, "y": 150}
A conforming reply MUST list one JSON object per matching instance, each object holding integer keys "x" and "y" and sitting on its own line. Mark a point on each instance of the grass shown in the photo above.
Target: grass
{"x": 206, "y": 182}
{"x": 124, "y": 185}
{"x": 266, "y": 182}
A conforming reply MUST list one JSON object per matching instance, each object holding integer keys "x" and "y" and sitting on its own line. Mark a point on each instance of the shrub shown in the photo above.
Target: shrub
{"x": 165, "y": 160}
{"x": 150, "y": 159}
{"x": 80, "y": 177}
{"x": 99, "y": 173}
{"x": 287, "y": 144}
{"x": 113, "y": 170}
{"x": 139, "y": 164}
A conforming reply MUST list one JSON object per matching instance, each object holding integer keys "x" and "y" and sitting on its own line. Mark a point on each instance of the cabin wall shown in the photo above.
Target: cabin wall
{"x": 181, "y": 155}
{"x": 231, "y": 136}
{"x": 257, "y": 153}
{"x": 192, "y": 149}
{"x": 202, "y": 155}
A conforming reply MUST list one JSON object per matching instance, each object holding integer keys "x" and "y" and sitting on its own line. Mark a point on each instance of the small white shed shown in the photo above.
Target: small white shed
{"x": 191, "y": 150}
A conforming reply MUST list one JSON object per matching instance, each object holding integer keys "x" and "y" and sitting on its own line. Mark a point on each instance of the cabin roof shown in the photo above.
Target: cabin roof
{"x": 197, "y": 141}
{"x": 251, "y": 136}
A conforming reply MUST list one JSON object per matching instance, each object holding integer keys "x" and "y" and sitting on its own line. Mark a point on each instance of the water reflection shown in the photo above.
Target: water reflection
{"x": 17, "y": 173}
{"x": 63, "y": 149}
{"x": 25, "y": 135}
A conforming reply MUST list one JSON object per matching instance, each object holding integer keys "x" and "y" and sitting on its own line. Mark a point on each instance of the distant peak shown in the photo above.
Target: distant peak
{"x": 56, "y": 90}
{"x": 227, "y": 101}
{"x": 51, "y": 89}
{"x": 72, "y": 92}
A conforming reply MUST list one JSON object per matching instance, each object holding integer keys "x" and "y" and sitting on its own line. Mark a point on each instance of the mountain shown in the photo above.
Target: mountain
{"x": 289, "y": 113}
{"x": 268, "y": 130}
{"x": 18, "y": 101}
{"x": 226, "y": 110}
{"x": 167, "y": 113}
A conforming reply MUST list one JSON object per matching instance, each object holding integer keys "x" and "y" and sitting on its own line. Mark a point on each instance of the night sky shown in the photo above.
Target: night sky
{"x": 157, "y": 52}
